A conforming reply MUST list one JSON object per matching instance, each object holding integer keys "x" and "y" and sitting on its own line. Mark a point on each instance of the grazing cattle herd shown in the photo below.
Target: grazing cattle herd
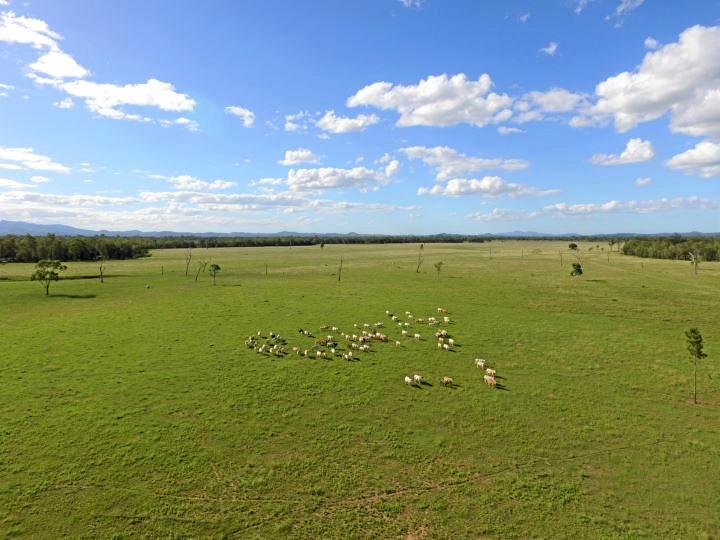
{"x": 362, "y": 339}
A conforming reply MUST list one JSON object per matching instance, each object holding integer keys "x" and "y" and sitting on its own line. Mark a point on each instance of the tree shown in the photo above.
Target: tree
{"x": 577, "y": 270}
{"x": 573, "y": 246}
{"x": 213, "y": 270}
{"x": 611, "y": 243}
{"x": 101, "y": 267}
{"x": 420, "y": 259}
{"x": 188, "y": 258}
{"x": 47, "y": 271}
{"x": 340, "y": 268}
{"x": 201, "y": 265}
{"x": 695, "y": 348}
{"x": 438, "y": 266}
{"x": 322, "y": 245}
{"x": 694, "y": 259}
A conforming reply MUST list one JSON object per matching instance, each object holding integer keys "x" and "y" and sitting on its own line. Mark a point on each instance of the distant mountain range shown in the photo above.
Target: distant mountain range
{"x": 22, "y": 227}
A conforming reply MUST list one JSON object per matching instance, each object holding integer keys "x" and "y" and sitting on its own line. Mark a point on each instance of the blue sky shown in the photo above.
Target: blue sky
{"x": 381, "y": 116}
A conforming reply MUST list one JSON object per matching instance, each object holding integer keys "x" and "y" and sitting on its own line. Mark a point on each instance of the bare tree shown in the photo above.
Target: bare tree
{"x": 188, "y": 258}
{"x": 101, "y": 267}
{"x": 201, "y": 265}
{"x": 420, "y": 259}
{"x": 340, "y": 268}
{"x": 694, "y": 259}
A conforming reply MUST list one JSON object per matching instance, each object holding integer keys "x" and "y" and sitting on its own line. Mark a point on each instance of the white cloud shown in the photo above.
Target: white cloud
{"x": 322, "y": 178}
{"x": 412, "y": 3}
{"x": 700, "y": 116}
{"x": 703, "y": 160}
{"x": 301, "y": 155}
{"x": 635, "y": 151}
{"x": 332, "y": 123}
{"x": 4, "y": 88}
{"x": 488, "y": 186}
{"x": 27, "y": 31}
{"x": 59, "y": 65}
{"x": 392, "y": 168}
{"x": 681, "y": 77}
{"x": 106, "y": 99}
{"x": 247, "y": 116}
{"x": 66, "y": 103}
{"x": 297, "y": 122}
{"x": 6, "y": 183}
{"x": 536, "y": 105}
{"x": 450, "y": 163}
{"x": 504, "y": 130}
{"x": 190, "y": 183}
{"x": 580, "y": 6}
{"x": 551, "y": 49}
{"x": 625, "y": 7}
{"x": 651, "y": 43}
{"x": 62, "y": 200}
{"x": 26, "y": 158}
{"x": 643, "y": 181}
{"x": 190, "y": 125}
{"x": 648, "y": 206}
{"x": 438, "y": 101}
{"x": 39, "y": 179}
{"x": 524, "y": 17}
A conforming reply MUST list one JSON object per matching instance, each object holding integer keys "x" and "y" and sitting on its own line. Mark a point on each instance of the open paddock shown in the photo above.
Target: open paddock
{"x": 134, "y": 407}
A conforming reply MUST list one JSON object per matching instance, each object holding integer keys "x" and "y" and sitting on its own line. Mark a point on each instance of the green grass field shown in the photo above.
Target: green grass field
{"x": 131, "y": 411}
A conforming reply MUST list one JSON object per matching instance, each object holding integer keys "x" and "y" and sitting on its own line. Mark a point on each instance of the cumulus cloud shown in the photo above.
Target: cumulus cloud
{"x": 450, "y": 163}
{"x": 332, "y": 123}
{"x": 301, "y": 155}
{"x": 551, "y": 49}
{"x": 27, "y": 31}
{"x": 26, "y": 158}
{"x": 297, "y": 122}
{"x": 438, "y": 101}
{"x": 536, "y": 105}
{"x": 635, "y": 151}
{"x": 107, "y": 99}
{"x": 392, "y": 168}
{"x": 681, "y": 78}
{"x": 488, "y": 186}
{"x": 702, "y": 160}
{"x": 187, "y": 182}
{"x": 246, "y": 115}
{"x": 643, "y": 181}
{"x": 322, "y": 178}
{"x": 59, "y": 65}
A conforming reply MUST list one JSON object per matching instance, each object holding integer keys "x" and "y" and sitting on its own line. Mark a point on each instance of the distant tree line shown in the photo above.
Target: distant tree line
{"x": 674, "y": 247}
{"x": 29, "y": 248}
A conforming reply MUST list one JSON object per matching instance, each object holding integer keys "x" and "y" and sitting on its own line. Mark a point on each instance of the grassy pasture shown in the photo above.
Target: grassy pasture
{"x": 131, "y": 411}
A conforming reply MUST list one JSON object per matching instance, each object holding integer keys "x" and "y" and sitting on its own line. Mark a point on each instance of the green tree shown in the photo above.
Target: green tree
{"x": 577, "y": 270}
{"x": 47, "y": 271}
{"x": 214, "y": 269}
{"x": 438, "y": 266}
{"x": 573, "y": 246}
{"x": 695, "y": 348}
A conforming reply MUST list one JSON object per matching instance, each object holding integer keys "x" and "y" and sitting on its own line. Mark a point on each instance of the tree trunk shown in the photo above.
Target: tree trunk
{"x": 695, "y": 382}
{"x": 340, "y": 268}
{"x": 47, "y": 289}
{"x": 102, "y": 278}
